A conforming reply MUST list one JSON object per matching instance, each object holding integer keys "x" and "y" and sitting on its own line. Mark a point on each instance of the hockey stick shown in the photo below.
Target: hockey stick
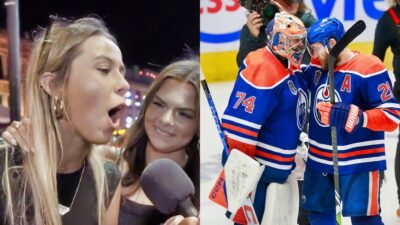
{"x": 348, "y": 37}
{"x": 214, "y": 113}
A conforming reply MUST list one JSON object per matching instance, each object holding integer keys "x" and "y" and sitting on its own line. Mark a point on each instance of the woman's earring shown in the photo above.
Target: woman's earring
{"x": 58, "y": 107}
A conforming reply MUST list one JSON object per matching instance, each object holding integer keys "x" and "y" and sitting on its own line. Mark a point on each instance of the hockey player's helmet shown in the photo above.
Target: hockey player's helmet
{"x": 288, "y": 37}
{"x": 324, "y": 29}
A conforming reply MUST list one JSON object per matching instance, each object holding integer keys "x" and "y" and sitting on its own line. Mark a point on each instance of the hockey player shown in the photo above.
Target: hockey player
{"x": 267, "y": 107}
{"x": 364, "y": 109}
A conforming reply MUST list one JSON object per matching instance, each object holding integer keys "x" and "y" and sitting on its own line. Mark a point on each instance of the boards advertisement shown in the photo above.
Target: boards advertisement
{"x": 222, "y": 20}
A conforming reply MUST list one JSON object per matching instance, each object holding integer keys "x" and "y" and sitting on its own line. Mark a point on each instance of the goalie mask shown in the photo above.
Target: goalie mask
{"x": 288, "y": 37}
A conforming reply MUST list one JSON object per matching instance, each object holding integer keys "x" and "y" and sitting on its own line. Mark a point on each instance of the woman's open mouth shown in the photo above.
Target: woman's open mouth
{"x": 114, "y": 115}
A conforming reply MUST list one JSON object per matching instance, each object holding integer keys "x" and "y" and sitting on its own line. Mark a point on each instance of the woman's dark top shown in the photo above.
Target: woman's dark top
{"x": 84, "y": 208}
{"x": 67, "y": 183}
{"x": 138, "y": 214}
{"x": 387, "y": 34}
{"x": 148, "y": 215}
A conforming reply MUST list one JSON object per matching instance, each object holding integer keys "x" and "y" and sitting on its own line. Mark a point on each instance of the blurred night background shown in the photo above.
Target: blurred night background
{"x": 150, "y": 34}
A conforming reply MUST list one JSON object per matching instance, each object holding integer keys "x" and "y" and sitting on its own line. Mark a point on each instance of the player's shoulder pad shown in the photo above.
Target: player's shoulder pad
{"x": 263, "y": 70}
{"x": 364, "y": 65}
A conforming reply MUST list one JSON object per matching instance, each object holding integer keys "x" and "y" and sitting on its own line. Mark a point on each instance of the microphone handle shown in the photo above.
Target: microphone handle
{"x": 186, "y": 208}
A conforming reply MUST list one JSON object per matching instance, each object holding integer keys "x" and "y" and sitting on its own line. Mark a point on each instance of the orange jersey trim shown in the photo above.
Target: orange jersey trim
{"x": 248, "y": 149}
{"x": 396, "y": 112}
{"x": 263, "y": 69}
{"x": 374, "y": 193}
{"x": 240, "y": 129}
{"x": 274, "y": 157}
{"x": 378, "y": 121}
{"x": 349, "y": 154}
{"x": 363, "y": 65}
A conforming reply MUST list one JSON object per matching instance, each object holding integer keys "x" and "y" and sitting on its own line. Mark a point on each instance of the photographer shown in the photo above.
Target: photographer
{"x": 387, "y": 34}
{"x": 261, "y": 12}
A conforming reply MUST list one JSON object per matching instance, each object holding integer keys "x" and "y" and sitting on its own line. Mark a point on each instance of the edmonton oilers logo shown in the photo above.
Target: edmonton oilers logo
{"x": 322, "y": 95}
{"x": 301, "y": 110}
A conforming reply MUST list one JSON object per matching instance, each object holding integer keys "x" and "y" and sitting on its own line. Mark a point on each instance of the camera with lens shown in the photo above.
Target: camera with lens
{"x": 265, "y": 8}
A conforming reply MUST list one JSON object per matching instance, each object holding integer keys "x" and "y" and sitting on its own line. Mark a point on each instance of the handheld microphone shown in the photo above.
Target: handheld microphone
{"x": 168, "y": 187}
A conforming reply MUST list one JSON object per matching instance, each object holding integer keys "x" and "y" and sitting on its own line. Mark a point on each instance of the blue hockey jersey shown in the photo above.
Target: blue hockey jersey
{"x": 364, "y": 82}
{"x": 266, "y": 112}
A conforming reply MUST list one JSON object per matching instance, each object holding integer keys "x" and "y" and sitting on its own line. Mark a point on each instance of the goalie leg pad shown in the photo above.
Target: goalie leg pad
{"x": 282, "y": 203}
{"x": 241, "y": 176}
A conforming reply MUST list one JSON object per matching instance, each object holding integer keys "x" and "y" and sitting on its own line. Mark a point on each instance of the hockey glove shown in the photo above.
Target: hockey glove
{"x": 341, "y": 115}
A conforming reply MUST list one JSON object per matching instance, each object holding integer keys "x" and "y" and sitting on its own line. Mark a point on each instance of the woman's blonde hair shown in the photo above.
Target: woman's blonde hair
{"x": 32, "y": 193}
{"x": 136, "y": 137}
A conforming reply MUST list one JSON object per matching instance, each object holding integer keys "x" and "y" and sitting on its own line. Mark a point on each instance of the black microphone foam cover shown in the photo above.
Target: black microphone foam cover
{"x": 166, "y": 184}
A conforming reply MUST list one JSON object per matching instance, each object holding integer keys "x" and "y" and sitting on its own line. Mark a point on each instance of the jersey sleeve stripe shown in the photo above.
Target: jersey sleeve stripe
{"x": 349, "y": 154}
{"x": 244, "y": 147}
{"x": 389, "y": 105}
{"x": 274, "y": 165}
{"x": 349, "y": 162}
{"x": 241, "y": 139}
{"x": 239, "y": 129}
{"x": 394, "y": 113}
{"x": 347, "y": 147}
{"x": 241, "y": 121}
{"x": 276, "y": 149}
{"x": 274, "y": 157}
{"x": 392, "y": 117}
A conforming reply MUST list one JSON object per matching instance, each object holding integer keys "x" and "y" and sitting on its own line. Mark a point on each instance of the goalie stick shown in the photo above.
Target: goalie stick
{"x": 218, "y": 191}
{"x": 348, "y": 37}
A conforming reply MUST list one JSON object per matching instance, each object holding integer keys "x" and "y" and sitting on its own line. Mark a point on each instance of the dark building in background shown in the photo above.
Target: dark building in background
{"x": 150, "y": 34}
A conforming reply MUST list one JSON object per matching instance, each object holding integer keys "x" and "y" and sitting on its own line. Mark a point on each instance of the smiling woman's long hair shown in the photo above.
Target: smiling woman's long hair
{"x": 136, "y": 137}
{"x": 31, "y": 192}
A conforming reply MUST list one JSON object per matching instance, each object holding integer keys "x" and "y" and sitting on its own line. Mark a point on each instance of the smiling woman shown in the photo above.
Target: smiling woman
{"x": 169, "y": 119}
{"x": 167, "y": 127}
{"x": 76, "y": 86}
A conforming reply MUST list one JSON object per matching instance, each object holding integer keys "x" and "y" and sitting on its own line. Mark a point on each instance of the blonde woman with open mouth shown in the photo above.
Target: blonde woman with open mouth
{"x": 76, "y": 88}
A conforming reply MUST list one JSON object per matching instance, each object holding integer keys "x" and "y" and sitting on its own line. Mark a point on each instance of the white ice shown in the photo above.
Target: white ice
{"x": 211, "y": 148}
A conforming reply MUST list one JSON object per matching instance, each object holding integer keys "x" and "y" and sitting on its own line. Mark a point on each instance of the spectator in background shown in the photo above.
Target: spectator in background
{"x": 167, "y": 127}
{"x": 387, "y": 34}
{"x": 253, "y": 37}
